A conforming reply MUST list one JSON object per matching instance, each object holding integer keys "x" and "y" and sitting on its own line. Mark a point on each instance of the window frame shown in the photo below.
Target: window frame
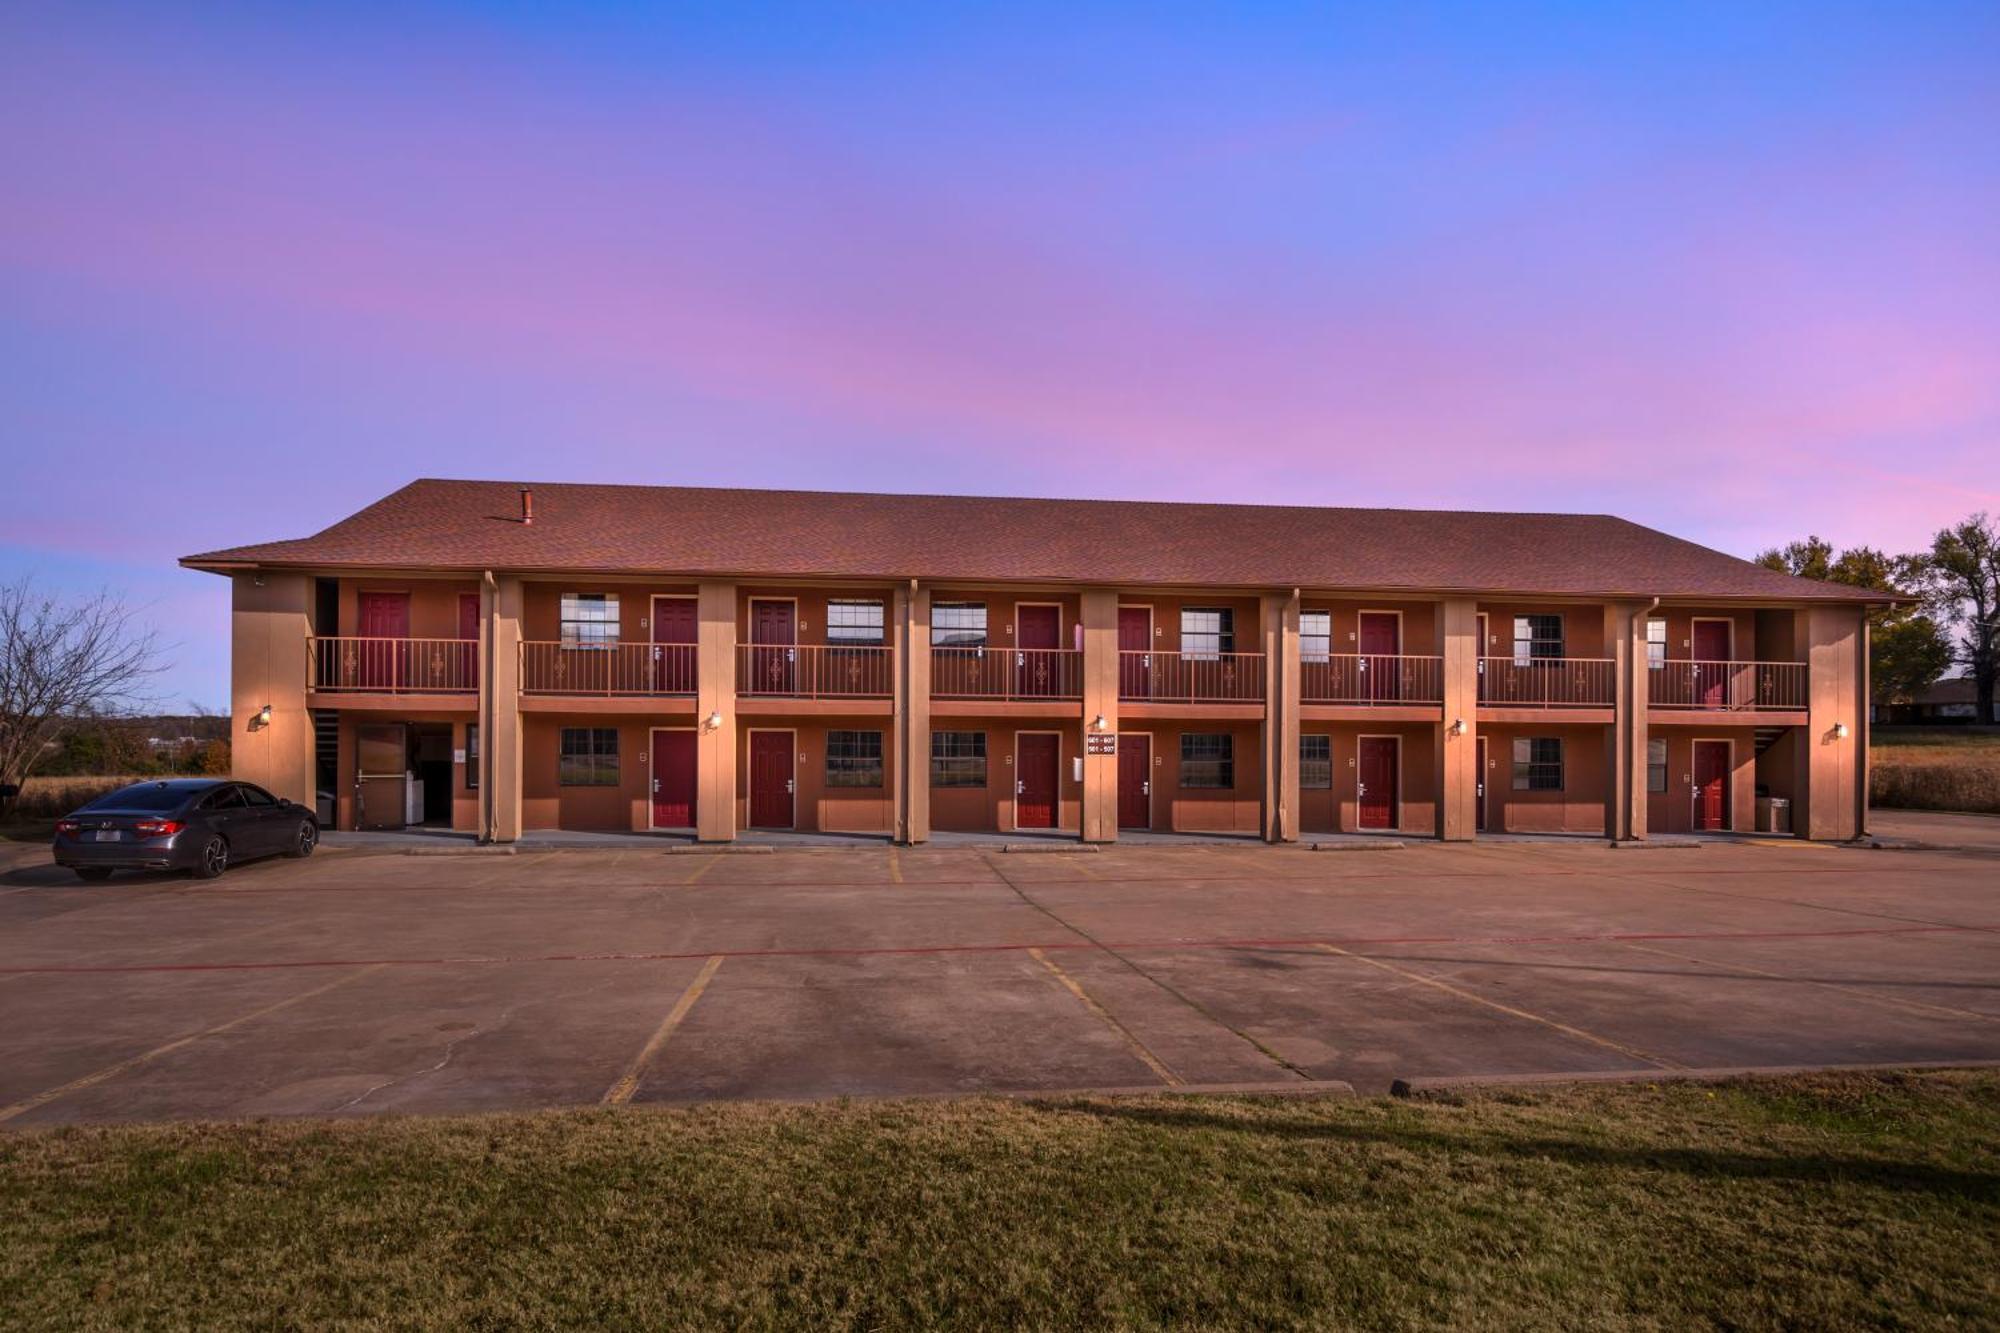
{"x": 1310, "y": 765}
{"x": 839, "y": 636}
{"x": 1222, "y": 766}
{"x": 472, "y": 756}
{"x": 1656, "y": 661}
{"x": 1224, "y": 634}
{"x": 569, "y": 624}
{"x": 1534, "y": 769}
{"x": 1306, "y": 637}
{"x": 588, "y": 767}
{"x": 936, "y": 629}
{"x": 1530, "y": 646}
{"x": 1656, "y": 786}
{"x": 852, "y": 770}
{"x": 957, "y": 766}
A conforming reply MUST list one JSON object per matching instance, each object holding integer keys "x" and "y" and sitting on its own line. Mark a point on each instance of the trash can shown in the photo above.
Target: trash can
{"x": 1774, "y": 814}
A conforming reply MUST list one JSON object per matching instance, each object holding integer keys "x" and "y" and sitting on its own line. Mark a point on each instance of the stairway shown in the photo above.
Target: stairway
{"x": 1768, "y": 736}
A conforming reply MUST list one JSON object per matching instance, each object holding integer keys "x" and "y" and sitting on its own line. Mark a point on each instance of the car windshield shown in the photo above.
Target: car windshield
{"x": 146, "y": 796}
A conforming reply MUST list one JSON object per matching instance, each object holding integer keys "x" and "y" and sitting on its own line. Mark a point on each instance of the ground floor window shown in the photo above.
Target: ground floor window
{"x": 1208, "y": 760}
{"x": 1538, "y": 763}
{"x": 853, "y": 758}
{"x": 589, "y": 757}
{"x": 958, "y": 759}
{"x": 472, "y": 756}
{"x": 1656, "y": 765}
{"x": 1316, "y": 763}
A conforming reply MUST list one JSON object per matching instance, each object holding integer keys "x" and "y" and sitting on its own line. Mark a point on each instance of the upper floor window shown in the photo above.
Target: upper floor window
{"x": 1538, "y": 763}
{"x": 854, "y": 620}
{"x": 1656, "y": 648}
{"x": 1207, "y": 632}
{"x": 1316, "y": 763}
{"x": 958, "y": 624}
{"x": 590, "y": 620}
{"x": 1537, "y": 638}
{"x": 1315, "y": 635}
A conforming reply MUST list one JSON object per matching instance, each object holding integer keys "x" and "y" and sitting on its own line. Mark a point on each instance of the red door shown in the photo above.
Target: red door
{"x": 673, "y": 779}
{"x": 1135, "y": 780}
{"x": 1376, "y": 796}
{"x": 1036, "y": 756}
{"x": 1711, "y": 784}
{"x": 385, "y": 629}
{"x": 1711, "y": 657}
{"x": 1135, "y": 652}
{"x": 674, "y": 635}
{"x": 771, "y": 779}
{"x": 773, "y": 655}
{"x": 1038, "y": 630}
{"x": 466, "y": 654}
{"x": 1479, "y": 788}
{"x": 1381, "y": 639}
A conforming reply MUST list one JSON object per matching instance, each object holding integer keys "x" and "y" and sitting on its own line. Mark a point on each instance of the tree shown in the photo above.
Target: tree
{"x": 64, "y": 664}
{"x": 1907, "y": 647}
{"x": 1962, "y": 580}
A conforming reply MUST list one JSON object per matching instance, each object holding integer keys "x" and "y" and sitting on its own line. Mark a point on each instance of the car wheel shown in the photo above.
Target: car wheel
{"x": 304, "y": 840}
{"x": 95, "y": 874}
{"x": 214, "y": 859}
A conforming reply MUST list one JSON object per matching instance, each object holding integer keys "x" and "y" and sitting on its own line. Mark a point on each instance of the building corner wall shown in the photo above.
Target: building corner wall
{"x": 1458, "y": 752}
{"x": 1833, "y": 767}
{"x": 1625, "y": 743}
{"x": 269, "y": 630}
{"x": 715, "y": 698}
{"x": 501, "y": 604}
{"x": 913, "y": 714}
{"x": 1281, "y": 716}
{"x": 1098, "y": 608}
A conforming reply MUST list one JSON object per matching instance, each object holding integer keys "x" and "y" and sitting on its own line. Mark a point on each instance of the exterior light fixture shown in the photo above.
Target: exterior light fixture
{"x": 264, "y": 716}
{"x": 715, "y": 720}
{"x": 1840, "y": 731}
{"x": 1099, "y": 724}
{"x": 1458, "y": 726}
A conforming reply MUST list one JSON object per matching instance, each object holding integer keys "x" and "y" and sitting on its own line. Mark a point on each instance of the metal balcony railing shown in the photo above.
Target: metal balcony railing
{"x": 1006, "y": 673}
{"x": 1547, "y": 682}
{"x": 1191, "y": 677}
{"x": 607, "y": 669}
{"x": 353, "y": 665}
{"x": 814, "y": 671}
{"x": 1777, "y": 686}
{"x": 1371, "y": 678}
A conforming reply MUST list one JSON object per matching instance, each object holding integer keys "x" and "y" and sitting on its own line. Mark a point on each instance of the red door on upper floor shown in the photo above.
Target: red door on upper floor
{"x": 466, "y": 653}
{"x": 1380, "y": 637}
{"x": 674, "y": 635}
{"x": 1037, "y": 631}
{"x": 773, "y": 654}
{"x": 1711, "y": 657}
{"x": 673, "y": 762}
{"x": 1711, "y": 785}
{"x": 1037, "y": 755}
{"x": 1135, "y": 652}
{"x": 1376, "y": 794}
{"x": 771, "y": 780}
{"x": 385, "y": 628}
{"x": 1135, "y": 780}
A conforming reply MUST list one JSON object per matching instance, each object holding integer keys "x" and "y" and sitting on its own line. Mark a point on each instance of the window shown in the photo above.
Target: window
{"x": 958, "y": 624}
{"x": 853, "y": 758}
{"x": 958, "y": 759}
{"x": 1207, "y": 632}
{"x": 588, "y": 757}
{"x": 223, "y": 798}
{"x": 1656, "y": 646}
{"x": 853, "y": 620}
{"x": 1208, "y": 760}
{"x": 255, "y": 796}
{"x": 1315, "y": 635}
{"x": 1656, "y": 765}
{"x": 1538, "y": 764}
{"x": 1316, "y": 763}
{"x": 472, "y": 756}
{"x": 1537, "y": 638}
{"x": 590, "y": 620}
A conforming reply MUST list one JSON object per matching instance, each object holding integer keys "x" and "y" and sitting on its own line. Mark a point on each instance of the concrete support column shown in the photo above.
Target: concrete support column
{"x": 1458, "y": 752}
{"x": 269, "y": 627}
{"x": 912, "y": 639}
{"x": 1100, "y": 699}
{"x": 1832, "y": 768}
{"x": 715, "y": 713}
{"x": 501, "y": 605}
{"x": 1625, "y": 746}
{"x": 1281, "y": 716}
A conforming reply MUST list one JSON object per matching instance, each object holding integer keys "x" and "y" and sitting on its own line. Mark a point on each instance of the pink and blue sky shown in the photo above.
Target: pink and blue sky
{"x": 1729, "y": 270}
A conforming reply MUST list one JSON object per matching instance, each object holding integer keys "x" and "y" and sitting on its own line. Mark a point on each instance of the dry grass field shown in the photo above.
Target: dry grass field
{"x": 1936, "y": 768}
{"x": 44, "y": 799}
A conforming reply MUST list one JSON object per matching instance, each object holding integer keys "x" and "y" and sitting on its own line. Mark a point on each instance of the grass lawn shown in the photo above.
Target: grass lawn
{"x": 1827, "y": 1201}
{"x": 1935, "y": 768}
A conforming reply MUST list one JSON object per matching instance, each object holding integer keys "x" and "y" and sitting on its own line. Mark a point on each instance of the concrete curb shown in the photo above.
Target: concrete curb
{"x": 1421, "y": 1087}
{"x": 1656, "y": 844}
{"x": 1049, "y": 848}
{"x": 1384, "y": 845}
{"x": 1316, "y": 1088}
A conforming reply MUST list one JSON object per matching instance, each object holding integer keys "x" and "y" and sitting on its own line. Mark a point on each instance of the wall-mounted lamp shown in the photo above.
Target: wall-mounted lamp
{"x": 1840, "y": 731}
{"x": 1098, "y": 723}
{"x": 714, "y": 721}
{"x": 1458, "y": 726}
{"x": 264, "y": 716}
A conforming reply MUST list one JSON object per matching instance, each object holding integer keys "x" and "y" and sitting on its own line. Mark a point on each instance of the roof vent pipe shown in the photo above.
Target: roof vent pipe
{"x": 527, "y": 506}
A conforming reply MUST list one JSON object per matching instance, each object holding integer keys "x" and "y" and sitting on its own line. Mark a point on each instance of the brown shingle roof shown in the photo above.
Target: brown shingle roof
{"x": 685, "y": 531}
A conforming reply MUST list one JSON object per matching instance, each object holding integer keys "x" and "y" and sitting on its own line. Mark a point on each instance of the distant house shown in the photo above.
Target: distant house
{"x": 1950, "y": 702}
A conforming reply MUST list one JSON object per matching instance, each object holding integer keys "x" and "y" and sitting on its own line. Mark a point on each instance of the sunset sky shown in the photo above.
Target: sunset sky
{"x": 1734, "y": 274}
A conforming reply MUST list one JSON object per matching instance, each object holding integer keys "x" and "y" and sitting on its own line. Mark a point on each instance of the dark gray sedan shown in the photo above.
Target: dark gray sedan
{"x": 199, "y": 825}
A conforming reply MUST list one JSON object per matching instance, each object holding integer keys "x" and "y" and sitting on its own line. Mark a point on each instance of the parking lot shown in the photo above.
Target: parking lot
{"x": 364, "y": 982}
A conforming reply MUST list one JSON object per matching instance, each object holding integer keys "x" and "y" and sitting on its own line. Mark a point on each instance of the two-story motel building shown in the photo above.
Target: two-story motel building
{"x": 496, "y": 658}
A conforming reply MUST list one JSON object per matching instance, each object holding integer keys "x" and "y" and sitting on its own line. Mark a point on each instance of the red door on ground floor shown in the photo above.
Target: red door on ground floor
{"x": 673, "y": 778}
{"x": 1376, "y": 792}
{"x": 1479, "y": 788}
{"x": 1711, "y": 784}
{"x": 1036, "y": 757}
{"x": 771, "y": 780}
{"x": 1135, "y": 780}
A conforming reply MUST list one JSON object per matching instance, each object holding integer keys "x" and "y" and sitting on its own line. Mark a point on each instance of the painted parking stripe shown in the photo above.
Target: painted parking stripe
{"x": 895, "y": 867}
{"x": 1130, "y": 1038}
{"x": 1607, "y": 1043}
{"x": 628, "y": 1083}
{"x": 708, "y": 863}
{"x": 124, "y": 1066}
